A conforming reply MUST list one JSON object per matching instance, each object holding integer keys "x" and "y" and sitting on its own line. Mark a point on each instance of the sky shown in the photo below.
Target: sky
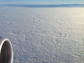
{"x": 44, "y": 1}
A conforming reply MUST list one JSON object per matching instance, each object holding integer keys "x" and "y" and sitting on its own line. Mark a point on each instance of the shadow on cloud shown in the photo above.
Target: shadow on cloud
{"x": 38, "y": 6}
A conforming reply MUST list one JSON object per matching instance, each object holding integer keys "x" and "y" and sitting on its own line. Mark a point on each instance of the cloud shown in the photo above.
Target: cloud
{"x": 44, "y": 35}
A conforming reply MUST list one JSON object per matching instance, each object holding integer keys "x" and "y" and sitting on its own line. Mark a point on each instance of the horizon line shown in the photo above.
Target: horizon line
{"x": 43, "y": 5}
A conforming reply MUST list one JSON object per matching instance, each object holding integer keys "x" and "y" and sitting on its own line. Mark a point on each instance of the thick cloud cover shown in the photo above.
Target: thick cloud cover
{"x": 44, "y": 35}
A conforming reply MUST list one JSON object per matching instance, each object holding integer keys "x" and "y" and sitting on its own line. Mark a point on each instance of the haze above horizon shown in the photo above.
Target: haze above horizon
{"x": 42, "y": 1}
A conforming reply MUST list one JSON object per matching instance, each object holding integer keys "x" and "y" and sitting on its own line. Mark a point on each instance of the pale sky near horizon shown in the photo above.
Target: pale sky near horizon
{"x": 44, "y": 1}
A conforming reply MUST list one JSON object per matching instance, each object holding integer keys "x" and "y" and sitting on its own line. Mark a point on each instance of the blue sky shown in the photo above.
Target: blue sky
{"x": 44, "y": 1}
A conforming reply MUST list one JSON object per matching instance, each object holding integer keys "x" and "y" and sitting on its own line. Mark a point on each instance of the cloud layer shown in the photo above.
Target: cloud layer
{"x": 44, "y": 35}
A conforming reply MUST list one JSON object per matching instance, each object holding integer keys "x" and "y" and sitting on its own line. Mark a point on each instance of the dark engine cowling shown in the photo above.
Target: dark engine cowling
{"x": 6, "y": 51}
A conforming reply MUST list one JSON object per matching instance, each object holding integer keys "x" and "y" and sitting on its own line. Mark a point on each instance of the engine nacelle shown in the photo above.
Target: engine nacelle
{"x": 6, "y": 51}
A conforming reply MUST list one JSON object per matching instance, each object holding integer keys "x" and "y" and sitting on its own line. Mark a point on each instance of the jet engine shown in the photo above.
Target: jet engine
{"x": 6, "y": 51}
